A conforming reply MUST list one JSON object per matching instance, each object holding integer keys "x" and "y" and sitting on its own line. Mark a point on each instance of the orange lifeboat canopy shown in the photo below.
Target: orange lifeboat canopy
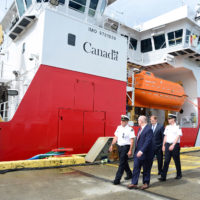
{"x": 157, "y": 93}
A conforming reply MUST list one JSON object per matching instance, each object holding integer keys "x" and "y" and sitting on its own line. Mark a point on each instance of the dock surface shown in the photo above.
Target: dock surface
{"x": 95, "y": 182}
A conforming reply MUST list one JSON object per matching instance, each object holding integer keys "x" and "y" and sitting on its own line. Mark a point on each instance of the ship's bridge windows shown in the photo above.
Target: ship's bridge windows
{"x": 28, "y": 3}
{"x": 187, "y": 36}
{"x": 103, "y": 6}
{"x": 175, "y": 37}
{"x": 159, "y": 41}
{"x": 146, "y": 45}
{"x": 93, "y": 7}
{"x": 78, "y": 5}
{"x": 133, "y": 43}
{"x": 21, "y": 7}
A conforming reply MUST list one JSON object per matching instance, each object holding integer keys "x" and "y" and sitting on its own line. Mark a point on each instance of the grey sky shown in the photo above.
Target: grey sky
{"x": 132, "y": 12}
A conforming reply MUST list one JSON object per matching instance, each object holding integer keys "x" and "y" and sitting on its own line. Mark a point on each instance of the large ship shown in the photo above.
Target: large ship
{"x": 65, "y": 70}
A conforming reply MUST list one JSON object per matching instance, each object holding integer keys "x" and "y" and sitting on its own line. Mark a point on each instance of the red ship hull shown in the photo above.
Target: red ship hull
{"x": 62, "y": 108}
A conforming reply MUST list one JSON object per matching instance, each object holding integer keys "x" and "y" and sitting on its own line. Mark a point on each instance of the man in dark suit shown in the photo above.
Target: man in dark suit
{"x": 158, "y": 131}
{"x": 143, "y": 154}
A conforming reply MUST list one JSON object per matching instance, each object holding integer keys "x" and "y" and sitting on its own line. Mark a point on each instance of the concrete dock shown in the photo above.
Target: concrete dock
{"x": 95, "y": 182}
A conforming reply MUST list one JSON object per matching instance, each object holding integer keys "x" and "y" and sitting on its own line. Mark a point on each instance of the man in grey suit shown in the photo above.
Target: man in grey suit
{"x": 158, "y": 131}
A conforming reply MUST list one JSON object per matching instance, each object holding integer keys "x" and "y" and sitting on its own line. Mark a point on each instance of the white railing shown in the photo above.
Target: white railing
{"x": 4, "y": 110}
{"x": 188, "y": 121}
{"x": 8, "y": 109}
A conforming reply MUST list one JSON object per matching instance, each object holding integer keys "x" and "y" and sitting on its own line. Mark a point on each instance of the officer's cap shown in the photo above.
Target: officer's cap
{"x": 171, "y": 116}
{"x": 124, "y": 118}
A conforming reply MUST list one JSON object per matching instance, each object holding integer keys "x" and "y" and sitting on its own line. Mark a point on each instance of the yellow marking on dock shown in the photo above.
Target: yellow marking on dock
{"x": 112, "y": 165}
{"x": 66, "y": 170}
{"x": 189, "y": 149}
{"x": 42, "y": 163}
{"x": 188, "y": 162}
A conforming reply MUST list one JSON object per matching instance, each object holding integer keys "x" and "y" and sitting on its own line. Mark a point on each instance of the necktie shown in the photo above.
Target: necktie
{"x": 139, "y": 133}
{"x": 153, "y": 126}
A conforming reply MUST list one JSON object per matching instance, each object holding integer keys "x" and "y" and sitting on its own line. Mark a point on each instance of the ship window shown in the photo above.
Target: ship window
{"x": 187, "y": 36}
{"x": 148, "y": 73}
{"x": 93, "y": 7}
{"x": 175, "y": 37}
{"x": 17, "y": 30}
{"x": 20, "y": 6}
{"x": 103, "y": 6}
{"x": 159, "y": 41}
{"x": 146, "y": 45}
{"x": 62, "y": 2}
{"x": 71, "y": 39}
{"x": 28, "y": 3}
{"x": 78, "y": 5}
{"x": 133, "y": 44}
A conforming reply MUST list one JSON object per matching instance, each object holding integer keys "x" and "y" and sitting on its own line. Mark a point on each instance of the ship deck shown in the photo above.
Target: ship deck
{"x": 95, "y": 182}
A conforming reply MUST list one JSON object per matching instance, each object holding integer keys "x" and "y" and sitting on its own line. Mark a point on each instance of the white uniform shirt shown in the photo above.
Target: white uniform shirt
{"x": 172, "y": 131}
{"x": 124, "y": 135}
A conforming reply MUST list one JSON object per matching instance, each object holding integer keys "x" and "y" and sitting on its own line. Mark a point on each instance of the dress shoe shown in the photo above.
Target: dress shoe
{"x": 116, "y": 182}
{"x": 162, "y": 179}
{"x": 127, "y": 177}
{"x": 144, "y": 187}
{"x": 132, "y": 186}
{"x": 178, "y": 177}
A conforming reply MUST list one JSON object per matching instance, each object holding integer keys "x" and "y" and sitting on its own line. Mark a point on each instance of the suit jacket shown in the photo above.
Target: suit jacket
{"x": 158, "y": 136}
{"x": 145, "y": 143}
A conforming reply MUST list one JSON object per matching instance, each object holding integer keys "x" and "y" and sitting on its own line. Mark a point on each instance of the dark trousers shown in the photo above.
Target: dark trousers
{"x": 159, "y": 155}
{"x": 123, "y": 162}
{"x": 146, "y": 164}
{"x": 176, "y": 157}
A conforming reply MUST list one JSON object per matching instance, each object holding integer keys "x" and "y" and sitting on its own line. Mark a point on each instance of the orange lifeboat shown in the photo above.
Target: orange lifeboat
{"x": 153, "y": 92}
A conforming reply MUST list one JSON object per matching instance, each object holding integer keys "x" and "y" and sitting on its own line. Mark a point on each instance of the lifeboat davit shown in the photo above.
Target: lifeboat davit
{"x": 157, "y": 93}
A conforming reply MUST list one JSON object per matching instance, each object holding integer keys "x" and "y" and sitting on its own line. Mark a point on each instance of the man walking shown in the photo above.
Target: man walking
{"x": 158, "y": 136}
{"x": 143, "y": 154}
{"x": 171, "y": 146}
{"x": 124, "y": 137}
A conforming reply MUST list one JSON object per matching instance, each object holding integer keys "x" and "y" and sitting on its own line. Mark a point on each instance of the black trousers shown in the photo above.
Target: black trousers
{"x": 123, "y": 162}
{"x": 159, "y": 155}
{"x": 176, "y": 157}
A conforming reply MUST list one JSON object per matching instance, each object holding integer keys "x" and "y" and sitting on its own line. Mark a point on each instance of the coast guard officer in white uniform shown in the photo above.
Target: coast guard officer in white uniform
{"x": 124, "y": 137}
{"x": 171, "y": 146}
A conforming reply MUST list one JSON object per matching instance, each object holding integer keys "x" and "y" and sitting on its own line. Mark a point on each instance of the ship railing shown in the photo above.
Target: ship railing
{"x": 188, "y": 121}
{"x": 195, "y": 47}
{"x": 131, "y": 88}
{"x": 4, "y": 110}
{"x": 7, "y": 109}
{"x": 192, "y": 43}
